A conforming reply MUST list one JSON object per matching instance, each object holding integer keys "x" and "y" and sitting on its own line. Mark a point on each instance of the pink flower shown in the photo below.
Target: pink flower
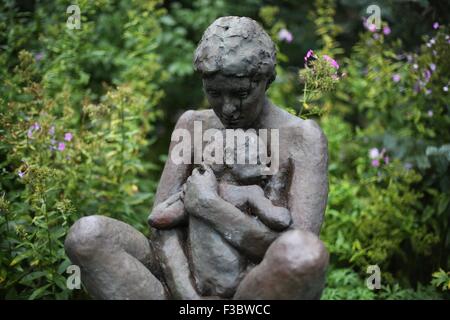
{"x": 436, "y": 25}
{"x": 309, "y": 54}
{"x": 386, "y": 30}
{"x": 396, "y": 77}
{"x": 375, "y": 163}
{"x": 285, "y": 35}
{"x": 68, "y": 136}
{"x": 331, "y": 61}
{"x": 370, "y": 26}
{"x": 374, "y": 153}
{"x": 61, "y": 146}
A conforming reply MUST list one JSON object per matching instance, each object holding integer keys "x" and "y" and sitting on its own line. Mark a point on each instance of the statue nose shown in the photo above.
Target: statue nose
{"x": 229, "y": 109}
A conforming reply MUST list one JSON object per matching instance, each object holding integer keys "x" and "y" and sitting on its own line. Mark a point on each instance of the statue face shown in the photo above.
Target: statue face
{"x": 237, "y": 101}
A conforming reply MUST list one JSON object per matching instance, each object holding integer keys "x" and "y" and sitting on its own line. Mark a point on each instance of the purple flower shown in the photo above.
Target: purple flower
{"x": 436, "y": 25}
{"x": 430, "y": 113}
{"x": 61, "y": 146}
{"x": 386, "y": 30}
{"x": 432, "y": 66}
{"x": 52, "y": 144}
{"x": 285, "y": 35}
{"x": 445, "y": 88}
{"x": 32, "y": 129}
{"x": 375, "y": 163}
{"x": 417, "y": 86}
{"x": 427, "y": 75}
{"x": 333, "y": 62}
{"x": 408, "y": 166}
{"x": 374, "y": 153}
{"x": 386, "y": 160}
{"x": 51, "y": 131}
{"x": 309, "y": 54}
{"x": 428, "y": 91}
{"x": 39, "y": 56}
{"x": 68, "y": 136}
{"x": 21, "y": 173}
{"x": 396, "y": 77}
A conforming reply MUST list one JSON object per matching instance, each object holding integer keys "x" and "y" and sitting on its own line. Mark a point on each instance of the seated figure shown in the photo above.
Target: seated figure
{"x": 222, "y": 231}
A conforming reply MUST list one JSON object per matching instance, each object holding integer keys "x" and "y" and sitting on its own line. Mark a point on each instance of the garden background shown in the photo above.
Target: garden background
{"x": 86, "y": 116}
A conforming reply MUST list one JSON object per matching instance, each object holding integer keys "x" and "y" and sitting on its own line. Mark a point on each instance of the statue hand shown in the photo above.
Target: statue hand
{"x": 200, "y": 189}
{"x": 168, "y": 213}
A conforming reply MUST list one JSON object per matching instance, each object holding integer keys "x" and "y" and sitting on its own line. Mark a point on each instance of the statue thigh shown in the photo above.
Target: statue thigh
{"x": 293, "y": 268}
{"x": 114, "y": 258}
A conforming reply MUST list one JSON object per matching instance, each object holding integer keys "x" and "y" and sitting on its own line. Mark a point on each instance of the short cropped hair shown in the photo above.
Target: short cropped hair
{"x": 236, "y": 46}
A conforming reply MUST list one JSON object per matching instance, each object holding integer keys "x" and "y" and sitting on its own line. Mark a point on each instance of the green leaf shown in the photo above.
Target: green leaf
{"x": 38, "y": 293}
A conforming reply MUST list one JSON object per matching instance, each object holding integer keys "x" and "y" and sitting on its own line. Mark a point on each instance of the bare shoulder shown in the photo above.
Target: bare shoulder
{"x": 186, "y": 120}
{"x": 306, "y": 140}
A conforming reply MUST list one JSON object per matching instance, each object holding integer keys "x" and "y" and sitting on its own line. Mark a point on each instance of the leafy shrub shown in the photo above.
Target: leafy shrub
{"x": 70, "y": 148}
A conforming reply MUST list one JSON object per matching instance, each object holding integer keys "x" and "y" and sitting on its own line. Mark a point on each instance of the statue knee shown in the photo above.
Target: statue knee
{"x": 85, "y": 238}
{"x": 299, "y": 253}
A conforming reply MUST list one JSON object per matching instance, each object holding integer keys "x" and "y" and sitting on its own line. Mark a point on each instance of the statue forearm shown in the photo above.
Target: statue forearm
{"x": 244, "y": 232}
{"x": 168, "y": 214}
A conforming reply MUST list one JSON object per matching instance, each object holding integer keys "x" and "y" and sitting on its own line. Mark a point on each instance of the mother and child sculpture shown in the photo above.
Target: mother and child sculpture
{"x": 222, "y": 229}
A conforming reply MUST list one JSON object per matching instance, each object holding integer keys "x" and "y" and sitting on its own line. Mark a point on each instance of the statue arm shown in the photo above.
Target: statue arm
{"x": 308, "y": 189}
{"x": 168, "y": 209}
{"x": 276, "y": 218}
{"x": 244, "y": 232}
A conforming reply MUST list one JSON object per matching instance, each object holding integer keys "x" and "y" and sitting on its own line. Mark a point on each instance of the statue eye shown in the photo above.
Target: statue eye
{"x": 213, "y": 93}
{"x": 243, "y": 94}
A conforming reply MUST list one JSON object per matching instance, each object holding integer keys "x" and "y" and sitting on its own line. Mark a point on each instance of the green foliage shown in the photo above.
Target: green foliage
{"x": 111, "y": 90}
{"x": 70, "y": 147}
{"x": 441, "y": 279}
{"x": 389, "y": 194}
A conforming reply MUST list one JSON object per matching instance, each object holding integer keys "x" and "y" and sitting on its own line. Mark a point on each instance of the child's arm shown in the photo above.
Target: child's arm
{"x": 276, "y": 218}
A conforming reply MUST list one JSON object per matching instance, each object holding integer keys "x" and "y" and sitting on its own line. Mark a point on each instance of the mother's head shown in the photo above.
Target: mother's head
{"x": 236, "y": 59}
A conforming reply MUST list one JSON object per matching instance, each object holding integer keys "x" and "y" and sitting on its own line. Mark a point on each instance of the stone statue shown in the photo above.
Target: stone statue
{"x": 221, "y": 230}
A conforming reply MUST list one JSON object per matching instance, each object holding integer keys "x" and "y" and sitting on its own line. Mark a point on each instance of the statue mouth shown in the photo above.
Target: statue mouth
{"x": 231, "y": 122}
{"x": 233, "y": 125}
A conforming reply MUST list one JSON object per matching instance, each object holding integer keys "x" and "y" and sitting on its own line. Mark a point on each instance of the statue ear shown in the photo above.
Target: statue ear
{"x": 271, "y": 79}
